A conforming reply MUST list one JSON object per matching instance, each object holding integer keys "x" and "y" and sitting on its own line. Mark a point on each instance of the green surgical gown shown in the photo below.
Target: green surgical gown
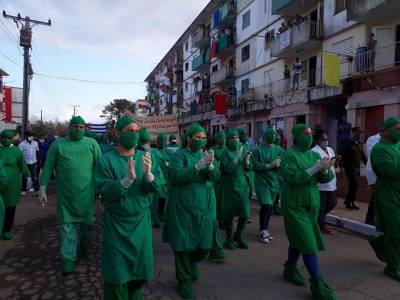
{"x": 3, "y": 183}
{"x": 74, "y": 163}
{"x": 16, "y": 167}
{"x": 300, "y": 200}
{"x": 234, "y": 187}
{"x": 267, "y": 182}
{"x": 127, "y": 234}
{"x": 191, "y": 207}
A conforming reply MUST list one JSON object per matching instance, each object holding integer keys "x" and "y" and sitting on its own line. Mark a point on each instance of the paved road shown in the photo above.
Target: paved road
{"x": 30, "y": 266}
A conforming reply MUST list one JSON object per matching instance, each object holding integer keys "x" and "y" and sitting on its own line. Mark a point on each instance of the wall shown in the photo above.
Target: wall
{"x": 242, "y": 35}
{"x": 334, "y": 23}
{"x": 250, "y": 64}
{"x": 264, "y": 14}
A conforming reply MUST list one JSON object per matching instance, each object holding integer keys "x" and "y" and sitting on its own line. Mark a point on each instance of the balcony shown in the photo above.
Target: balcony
{"x": 201, "y": 39}
{"x": 197, "y": 113}
{"x": 201, "y": 63}
{"x": 292, "y": 7}
{"x": 226, "y": 46}
{"x": 228, "y": 13}
{"x": 224, "y": 77}
{"x": 373, "y": 12}
{"x": 300, "y": 38}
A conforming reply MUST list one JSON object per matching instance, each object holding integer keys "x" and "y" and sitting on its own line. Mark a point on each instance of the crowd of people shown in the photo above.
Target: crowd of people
{"x": 196, "y": 192}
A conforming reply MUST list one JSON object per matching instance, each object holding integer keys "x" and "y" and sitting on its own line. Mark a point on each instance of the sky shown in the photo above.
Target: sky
{"x": 100, "y": 40}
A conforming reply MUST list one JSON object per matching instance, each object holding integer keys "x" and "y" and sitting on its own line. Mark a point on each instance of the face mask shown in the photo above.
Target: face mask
{"x": 197, "y": 145}
{"x": 394, "y": 135}
{"x": 162, "y": 144}
{"x": 277, "y": 140}
{"x": 30, "y": 138}
{"x": 324, "y": 144}
{"x": 303, "y": 143}
{"x": 221, "y": 142}
{"x": 41, "y": 140}
{"x": 6, "y": 141}
{"x": 76, "y": 134}
{"x": 269, "y": 137}
{"x": 129, "y": 140}
{"x": 234, "y": 145}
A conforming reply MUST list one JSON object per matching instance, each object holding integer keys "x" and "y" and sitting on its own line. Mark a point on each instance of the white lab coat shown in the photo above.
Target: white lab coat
{"x": 331, "y": 185}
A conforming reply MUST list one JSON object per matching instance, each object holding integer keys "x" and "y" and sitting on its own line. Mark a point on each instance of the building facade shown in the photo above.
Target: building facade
{"x": 273, "y": 59}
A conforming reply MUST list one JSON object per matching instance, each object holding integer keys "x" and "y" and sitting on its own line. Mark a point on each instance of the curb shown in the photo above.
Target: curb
{"x": 352, "y": 225}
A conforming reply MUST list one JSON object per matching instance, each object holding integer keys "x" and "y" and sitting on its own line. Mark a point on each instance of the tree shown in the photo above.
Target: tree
{"x": 116, "y": 108}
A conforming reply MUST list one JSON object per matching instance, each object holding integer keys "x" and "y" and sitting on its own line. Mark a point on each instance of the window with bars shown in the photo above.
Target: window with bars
{"x": 340, "y": 5}
{"x": 245, "y": 53}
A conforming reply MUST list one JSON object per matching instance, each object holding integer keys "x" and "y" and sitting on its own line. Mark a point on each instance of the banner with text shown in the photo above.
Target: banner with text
{"x": 158, "y": 124}
{"x": 6, "y": 105}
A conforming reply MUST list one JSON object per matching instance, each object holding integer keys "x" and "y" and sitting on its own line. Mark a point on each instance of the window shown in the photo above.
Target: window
{"x": 246, "y": 20}
{"x": 186, "y": 87}
{"x": 244, "y": 85}
{"x": 186, "y": 46}
{"x": 340, "y": 5}
{"x": 245, "y": 53}
{"x": 186, "y": 66}
{"x": 214, "y": 69}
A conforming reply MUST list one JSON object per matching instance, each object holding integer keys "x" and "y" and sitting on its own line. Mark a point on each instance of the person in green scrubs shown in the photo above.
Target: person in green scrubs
{"x": 266, "y": 160}
{"x": 276, "y": 208}
{"x": 127, "y": 180}
{"x": 3, "y": 183}
{"x": 73, "y": 159}
{"x": 16, "y": 168}
{"x": 235, "y": 163}
{"x": 302, "y": 169}
{"x": 191, "y": 208}
{"x": 247, "y": 149}
{"x": 385, "y": 159}
{"x": 162, "y": 156}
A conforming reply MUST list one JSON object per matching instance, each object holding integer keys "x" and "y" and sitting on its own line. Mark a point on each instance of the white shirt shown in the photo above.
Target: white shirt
{"x": 29, "y": 151}
{"x": 331, "y": 185}
{"x": 371, "y": 142}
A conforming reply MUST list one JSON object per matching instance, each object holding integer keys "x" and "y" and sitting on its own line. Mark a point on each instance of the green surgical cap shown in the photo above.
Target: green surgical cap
{"x": 123, "y": 122}
{"x": 390, "y": 123}
{"x": 298, "y": 129}
{"x": 172, "y": 137}
{"x": 220, "y": 135}
{"x": 8, "y": 133}
{"x": 144, "y": 134}
{"x": 195, "y": 128}
{"x": 269, "y": 128}
{"x": 163, "y": 135}
{"x": 231, "y": 133}
{"x": 78, "y": 120}
{"x": 241, "y": 131}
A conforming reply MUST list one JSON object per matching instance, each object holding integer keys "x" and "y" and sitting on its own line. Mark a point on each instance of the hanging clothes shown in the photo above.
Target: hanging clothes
{"x": 220, "y": 104}
{"x": 216, "y": 19}
{"x": 213, "y": 51}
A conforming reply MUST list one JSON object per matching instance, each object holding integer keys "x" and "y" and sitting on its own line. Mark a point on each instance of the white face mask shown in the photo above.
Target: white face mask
{"x": 41, "y": 140}
{"x": 56, "y": 136}
{"x": 30, "y": 138}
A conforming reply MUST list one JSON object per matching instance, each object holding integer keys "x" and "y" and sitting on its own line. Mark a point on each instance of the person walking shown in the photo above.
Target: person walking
{"x": 30, "y": 149}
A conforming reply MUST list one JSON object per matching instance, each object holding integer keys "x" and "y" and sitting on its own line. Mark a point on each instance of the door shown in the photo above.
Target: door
{"x": 385, "y": 48}
{"x": 397, "y": 49}
{"x": 374, "y": 116}
{"x": 312, "y": 71}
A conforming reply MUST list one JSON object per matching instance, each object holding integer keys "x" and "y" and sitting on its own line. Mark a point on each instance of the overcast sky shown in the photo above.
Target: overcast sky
{"x": 104, "y": 40}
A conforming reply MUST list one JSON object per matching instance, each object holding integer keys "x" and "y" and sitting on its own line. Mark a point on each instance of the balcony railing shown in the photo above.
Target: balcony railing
{"x": 300, "y": 38}
{"x": 373, "y": 12}
{"x": 226, "y": 46}
{"x": 201, "y": 39}
{"x": 223, "y": 77}
{"x": 202, "y": 61}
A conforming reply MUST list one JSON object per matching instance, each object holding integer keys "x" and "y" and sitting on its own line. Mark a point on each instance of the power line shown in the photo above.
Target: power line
{"x": 11, "y": 60}
{"x": 89, "y": 81}
{"x": 10, "y": 36}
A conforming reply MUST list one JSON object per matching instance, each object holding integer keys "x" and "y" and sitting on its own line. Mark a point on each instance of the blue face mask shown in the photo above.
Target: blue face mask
{"x": 324, "y": 144}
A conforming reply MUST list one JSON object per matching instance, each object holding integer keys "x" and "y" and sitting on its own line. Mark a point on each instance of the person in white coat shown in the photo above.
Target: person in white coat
{"x": 371, "y": 177}
{"x": 327, "y": 191}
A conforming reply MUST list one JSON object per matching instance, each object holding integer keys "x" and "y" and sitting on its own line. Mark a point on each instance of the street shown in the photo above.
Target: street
{"x": 30, "y": 265}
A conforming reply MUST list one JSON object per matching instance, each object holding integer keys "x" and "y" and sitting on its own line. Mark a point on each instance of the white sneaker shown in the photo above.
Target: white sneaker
{"x": 263, "y": 236}
{"x": 23, "y": 193}
{"x": 270, "y": 237}
{"x": 31, "y": 190}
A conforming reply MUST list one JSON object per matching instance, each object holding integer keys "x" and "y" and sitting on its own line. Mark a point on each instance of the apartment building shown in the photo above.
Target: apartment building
{"x": 270, "y": 58}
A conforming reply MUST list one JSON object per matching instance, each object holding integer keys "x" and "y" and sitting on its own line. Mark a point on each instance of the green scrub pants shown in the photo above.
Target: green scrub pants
{"x": 69, "y": 238}
{"x": 186, "y": 264}
{"x": 126, "y": 291}
{"x": 217, "y": 240}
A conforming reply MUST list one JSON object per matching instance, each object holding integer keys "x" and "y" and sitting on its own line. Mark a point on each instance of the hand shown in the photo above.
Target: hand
{"x": 247, "y": 158}
{"x": 276, "y": 163}
{"x": 239, "y": 152}
{"x": 211, "y": 157}
{"x": 146, "y": 163}
{"x": 147, "y": 147}
{"x": 202, "y": 163}
{"x": 43, "y": 196}
{"x": 324, "y": 164}
{"x": 130, "y": 169}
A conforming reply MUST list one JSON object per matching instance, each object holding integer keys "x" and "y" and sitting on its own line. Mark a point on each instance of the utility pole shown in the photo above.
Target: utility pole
{"x": 41, "y": 116}
{"x": 75, "y": 108}
{"x": 25, "y": 41}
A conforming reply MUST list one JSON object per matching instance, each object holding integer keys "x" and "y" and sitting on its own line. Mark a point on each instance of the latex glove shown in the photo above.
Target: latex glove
{"x": 321, "y": 165}
{"x": 43, "y": 196}
{"x": 247, "y": 158}
{"x": 202, "y": 163}
{"x": 238, "y": 155}
{"x": 147, "y": 147}
{"x": 131, "y": 174}
{"x": 146, "y": 166}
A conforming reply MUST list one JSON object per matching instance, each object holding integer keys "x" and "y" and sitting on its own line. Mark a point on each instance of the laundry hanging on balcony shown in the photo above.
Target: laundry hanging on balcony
{"x": 331, "y": 63}
{"x": 213, "y": 50}
{"x": 215, "y": 19}
{"x": 220, "y": 104}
